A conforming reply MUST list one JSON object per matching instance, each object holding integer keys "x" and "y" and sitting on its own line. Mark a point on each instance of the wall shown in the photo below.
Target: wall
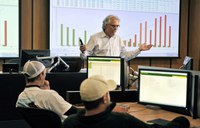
{"x": 35, "y": 24}
{"x": 35, "y": 32}
{"x": 194, "y": 32}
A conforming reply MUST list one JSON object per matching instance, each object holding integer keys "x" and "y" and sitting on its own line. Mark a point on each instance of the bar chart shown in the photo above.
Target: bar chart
{"x": 66, "y": 37}
{"x": 9, "y": 28}
{"x": 152, "y": 22}
{"x": 146, "y": 35}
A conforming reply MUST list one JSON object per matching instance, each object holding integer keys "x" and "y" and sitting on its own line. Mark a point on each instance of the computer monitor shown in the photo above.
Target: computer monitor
{"x": 10, "y": 67}
{"x": 165, "y": 88}
{"x": 75, "y": 64}
{"x": 195, "y": 102}
{"x": 188, "y": 63}
{"x": 32, "y": 54}
{"x": 110, "y": 67}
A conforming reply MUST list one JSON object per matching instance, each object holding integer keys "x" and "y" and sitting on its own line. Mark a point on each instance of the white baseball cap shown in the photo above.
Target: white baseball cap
{"x": 33, "y": 68}
{"x": 95, "y": 87}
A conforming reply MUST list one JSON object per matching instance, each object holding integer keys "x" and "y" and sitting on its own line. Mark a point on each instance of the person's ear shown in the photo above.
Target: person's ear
{"x": 43, "y": 73}
{"x": 40, "y": 76}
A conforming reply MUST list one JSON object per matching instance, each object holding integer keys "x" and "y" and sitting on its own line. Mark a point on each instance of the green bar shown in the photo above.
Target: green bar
{"x": 73, "y": 37}
{"x": 107, "y": 60}
{"x": 61, "y": 34}
{"x": 85, "y": 37}
{"x": 67, "y": 40}
{"x": 158, "y": 74}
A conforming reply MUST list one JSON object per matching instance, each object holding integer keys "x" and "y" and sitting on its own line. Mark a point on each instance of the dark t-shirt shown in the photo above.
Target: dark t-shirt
{"x": 110, "y": 119}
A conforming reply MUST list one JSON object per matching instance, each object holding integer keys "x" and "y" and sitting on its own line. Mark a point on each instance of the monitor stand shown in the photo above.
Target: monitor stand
{"x": 154, "y": 107}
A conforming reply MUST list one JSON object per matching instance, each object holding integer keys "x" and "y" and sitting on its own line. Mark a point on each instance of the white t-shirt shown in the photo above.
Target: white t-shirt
{"x": 45, "y": 99}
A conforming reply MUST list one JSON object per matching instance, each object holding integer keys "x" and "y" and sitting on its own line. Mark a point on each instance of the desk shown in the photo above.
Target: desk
{"x": 145, "y": 114}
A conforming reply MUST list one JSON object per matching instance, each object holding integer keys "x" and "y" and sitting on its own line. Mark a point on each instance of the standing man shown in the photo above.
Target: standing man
{"x": 107, "y": 43}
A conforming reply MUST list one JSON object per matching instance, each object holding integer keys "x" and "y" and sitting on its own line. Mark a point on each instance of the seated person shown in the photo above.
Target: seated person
{"x": 37, "y": 92}
{"x": 98, "y": 113}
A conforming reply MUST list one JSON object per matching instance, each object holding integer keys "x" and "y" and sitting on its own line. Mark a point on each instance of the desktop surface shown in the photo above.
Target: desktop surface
{"x": 145, "y": 114}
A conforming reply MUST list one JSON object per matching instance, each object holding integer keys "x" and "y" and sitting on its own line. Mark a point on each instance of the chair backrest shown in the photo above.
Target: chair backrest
{"x": 40, "y": 118}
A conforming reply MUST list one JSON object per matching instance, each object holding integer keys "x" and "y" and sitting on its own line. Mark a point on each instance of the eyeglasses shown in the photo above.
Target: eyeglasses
{"x": 114, "y": 26}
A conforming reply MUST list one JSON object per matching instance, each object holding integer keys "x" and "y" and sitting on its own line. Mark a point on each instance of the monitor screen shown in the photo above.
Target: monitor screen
{"x": 32, "y": 54}
{"x": 155, "y": 22}
{"x": 110, "y": 67}
{"x": 10, "y": 28}
{"x": 164, "y": 87}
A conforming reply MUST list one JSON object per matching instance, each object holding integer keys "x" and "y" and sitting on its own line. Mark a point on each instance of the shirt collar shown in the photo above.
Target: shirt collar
{"x": 30, "y": 86}
{"x": 103, "y": 34}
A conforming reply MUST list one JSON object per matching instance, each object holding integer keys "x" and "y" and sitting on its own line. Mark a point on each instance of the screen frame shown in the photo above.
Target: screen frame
{"x": 123, "y": 68}
{"x": 183, "y": 110}
{"x": 19, "y": 35}
{"x": 155, "y": 56}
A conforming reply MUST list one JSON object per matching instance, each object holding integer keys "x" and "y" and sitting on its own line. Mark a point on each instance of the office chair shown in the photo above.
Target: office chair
{"x": 40, "y": 118}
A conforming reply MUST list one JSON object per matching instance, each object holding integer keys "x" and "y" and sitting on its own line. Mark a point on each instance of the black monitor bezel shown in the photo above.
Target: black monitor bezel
{"x": 183, "y": 110}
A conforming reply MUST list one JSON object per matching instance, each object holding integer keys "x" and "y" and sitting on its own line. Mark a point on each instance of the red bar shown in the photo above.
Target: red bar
{"x": 155, "y": 32}
{"x": 160, "y": 34}
{"x": 165, "y": 29}
{"x": 150, "y": 39}
{"x": 145, "y": 32}
{"x": 170, "y": 32}
{"x": 5, "y": 33}
{"x": 140, "y": 33}
{"x": 135, "y": 40}
{"x": 129, "y": 43}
